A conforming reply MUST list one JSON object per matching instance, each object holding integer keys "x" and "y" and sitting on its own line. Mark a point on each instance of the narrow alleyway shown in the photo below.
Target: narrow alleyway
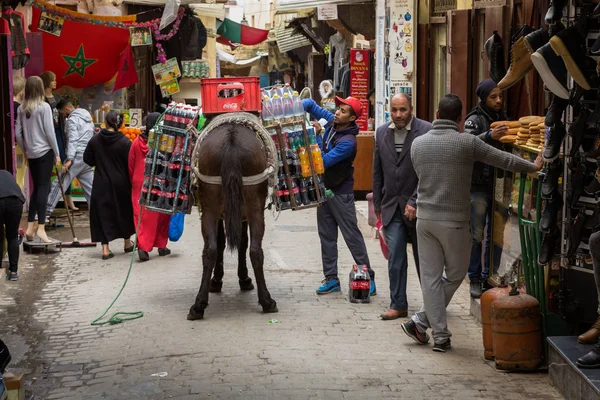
{"x": 320, "y": 348}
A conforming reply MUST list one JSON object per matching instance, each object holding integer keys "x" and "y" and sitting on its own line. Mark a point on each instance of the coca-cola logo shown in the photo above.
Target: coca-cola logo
{"x": 232, "y": 106}
{"x": 360, "y": 285}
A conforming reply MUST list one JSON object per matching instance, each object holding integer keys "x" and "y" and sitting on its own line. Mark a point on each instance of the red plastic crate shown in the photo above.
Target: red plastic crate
{"x": 216, "y": 94}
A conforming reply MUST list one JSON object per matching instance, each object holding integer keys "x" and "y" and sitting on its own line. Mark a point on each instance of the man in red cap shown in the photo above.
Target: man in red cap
{"x": 338, "y": 145}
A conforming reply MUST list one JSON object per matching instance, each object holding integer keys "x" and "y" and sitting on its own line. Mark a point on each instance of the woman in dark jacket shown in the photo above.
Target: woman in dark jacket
{"x": 111, "y": 213}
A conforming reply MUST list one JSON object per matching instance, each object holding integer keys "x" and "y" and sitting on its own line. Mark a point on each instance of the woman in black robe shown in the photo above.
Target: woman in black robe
{"x": 111, "y": 212}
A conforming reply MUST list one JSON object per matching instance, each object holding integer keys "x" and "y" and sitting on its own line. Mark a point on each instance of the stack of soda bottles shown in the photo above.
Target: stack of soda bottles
{"x": 285, "y": 107}
{"x": 166, "y": 161}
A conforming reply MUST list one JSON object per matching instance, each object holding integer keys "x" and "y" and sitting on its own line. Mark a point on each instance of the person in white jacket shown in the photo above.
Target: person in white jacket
{"x": 80, "y": 129}
{"x": 34, "y": 132}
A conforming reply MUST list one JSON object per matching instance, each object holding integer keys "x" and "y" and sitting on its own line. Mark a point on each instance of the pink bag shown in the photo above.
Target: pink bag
{"x": 382, "y": 242}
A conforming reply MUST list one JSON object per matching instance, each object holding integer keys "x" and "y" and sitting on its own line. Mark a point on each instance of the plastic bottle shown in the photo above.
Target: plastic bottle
{"x": 312, "y": 190}
{"x": 277, "y": 109}
{"x": 317, "y": 159}
{"x": 283, "y": 192}
{"x": 169, "y": 114}
{"x": 267, "y": 112}
{"x": 304, "y": 162}
{"x": 288, "y": 109}
{"x": 359, "y": 285}
{"x": 304, "y": 191}
{"x": 296, "y": 192}
{"x": 298, "y": 108}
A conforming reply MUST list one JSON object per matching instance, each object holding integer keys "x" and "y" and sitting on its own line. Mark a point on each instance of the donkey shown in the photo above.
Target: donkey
{"x": 232, "y": 151}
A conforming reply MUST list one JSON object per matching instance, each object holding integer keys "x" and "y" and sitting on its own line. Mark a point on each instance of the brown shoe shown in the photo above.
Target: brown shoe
{"x": 591, "y": 336}
{"x": 394, "y": 314}
{"x": 520, "y": 64}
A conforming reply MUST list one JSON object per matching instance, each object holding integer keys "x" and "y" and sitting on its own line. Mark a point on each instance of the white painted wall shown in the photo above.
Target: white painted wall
{"x": 258, "y": 12}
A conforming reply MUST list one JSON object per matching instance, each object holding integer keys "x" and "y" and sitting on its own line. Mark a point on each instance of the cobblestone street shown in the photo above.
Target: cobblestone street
{"x": 321, "y": 348}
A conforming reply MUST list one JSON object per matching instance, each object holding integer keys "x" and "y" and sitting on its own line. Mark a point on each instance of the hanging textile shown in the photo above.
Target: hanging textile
{"x": 242, "y": 34}
{"x": 80, "y": 60}
{"x": 13, "y": 20}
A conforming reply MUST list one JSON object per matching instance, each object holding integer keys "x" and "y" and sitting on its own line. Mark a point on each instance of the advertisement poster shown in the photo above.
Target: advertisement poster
{"x": 359, "y": 82}
{"x": 169, "y": 88}
{"x": 166, "y": 72}
{"x": 401, "y": 41}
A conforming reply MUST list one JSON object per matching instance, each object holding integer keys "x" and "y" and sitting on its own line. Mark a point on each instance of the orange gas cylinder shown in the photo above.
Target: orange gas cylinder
{"x": 517, "y": 337}
{"x": 486, "y": 318}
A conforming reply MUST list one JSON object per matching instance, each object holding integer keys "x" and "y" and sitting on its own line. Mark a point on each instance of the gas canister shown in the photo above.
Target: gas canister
{"x": 360, "y": 284}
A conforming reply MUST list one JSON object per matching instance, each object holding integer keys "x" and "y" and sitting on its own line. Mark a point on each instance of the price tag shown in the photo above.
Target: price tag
{"x": 135, "y": 117}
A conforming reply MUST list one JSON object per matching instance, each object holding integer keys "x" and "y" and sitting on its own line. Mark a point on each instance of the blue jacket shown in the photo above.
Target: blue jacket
{"x": 337, "y": 146}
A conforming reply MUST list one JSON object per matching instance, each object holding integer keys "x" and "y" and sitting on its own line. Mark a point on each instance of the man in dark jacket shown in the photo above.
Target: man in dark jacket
{"x": 338, "y": 146}
{"x": 478, "y": 123}
{"x": 395, "y": 195}
{"x": 11, "y": 209}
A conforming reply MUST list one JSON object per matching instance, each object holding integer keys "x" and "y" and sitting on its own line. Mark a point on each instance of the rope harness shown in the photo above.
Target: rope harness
{"x": 252, "y": 122}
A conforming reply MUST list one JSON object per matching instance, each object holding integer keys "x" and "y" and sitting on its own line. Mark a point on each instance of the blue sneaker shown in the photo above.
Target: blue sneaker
{"x": 373, "y": 290}
{"x": 329, "y": 286}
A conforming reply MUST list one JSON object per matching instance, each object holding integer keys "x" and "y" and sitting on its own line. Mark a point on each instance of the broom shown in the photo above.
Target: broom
{"x": 75, "y": 242}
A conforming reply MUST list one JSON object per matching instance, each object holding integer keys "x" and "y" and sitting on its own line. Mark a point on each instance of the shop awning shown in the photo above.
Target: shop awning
{"x": 230, "y": 58}
{"x": 288, "y": 40}
{"x": 285, "y": 6}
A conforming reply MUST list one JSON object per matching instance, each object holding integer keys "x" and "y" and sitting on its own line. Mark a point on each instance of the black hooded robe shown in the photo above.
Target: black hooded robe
{"x": 111, "y": 213}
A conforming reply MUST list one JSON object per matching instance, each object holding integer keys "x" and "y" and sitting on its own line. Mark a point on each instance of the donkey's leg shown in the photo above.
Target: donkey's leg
{"x": 209, "y": 259}
{"x": 244, "y": 279}
{"x": 256, "y": 221}
{"x": 216, "y": 283}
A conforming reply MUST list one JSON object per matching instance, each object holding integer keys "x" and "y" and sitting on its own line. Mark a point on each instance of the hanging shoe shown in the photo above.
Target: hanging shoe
{"x": 494, "y": 49}
{"x": 593, "y": 222}
{"x": 576, "y": 185}
{"x": 548, "y": 247}
{"x": 576, "y": 231}
{"x": 596, "y": 12}
{"x": 577, "y": 130}
{"x": 554, "y": 139}
{"x": 570, "y": 44}
{"x": 594, "y": 187}
{"x": 520, "y": 64}
{"x": 554, "y": 29}
{"x": 555, "y": 12}
{"x": 592, "y": 335}
{"x": 556, "y": 111}
{"x": 552, "y": 70}
{"x": 550, "y": 213}
{"x": 550, "y": 179}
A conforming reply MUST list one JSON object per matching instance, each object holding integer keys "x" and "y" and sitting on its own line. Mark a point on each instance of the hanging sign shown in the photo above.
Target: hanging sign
{"x": 327, "y": 12}
{"x": 401, "y": 40}
{"x": 359, "y": 82}
{"x": 166, "y": 72}
{"x": 135, "y": 117}
{"x": 169, "y": 88}
{"x": 140, "y": 36}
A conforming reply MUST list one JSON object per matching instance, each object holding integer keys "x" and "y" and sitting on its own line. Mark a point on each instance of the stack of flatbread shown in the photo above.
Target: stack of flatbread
{"x": 535, "y": 137}
{"x": 511, "y": 134}
{"x": 528, "y": 131}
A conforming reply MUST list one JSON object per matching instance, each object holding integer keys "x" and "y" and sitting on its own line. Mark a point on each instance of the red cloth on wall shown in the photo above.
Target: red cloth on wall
{"x": 154, "y": 228}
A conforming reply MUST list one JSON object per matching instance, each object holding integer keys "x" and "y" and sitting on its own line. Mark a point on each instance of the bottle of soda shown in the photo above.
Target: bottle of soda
{"x": 312, "y": 190}
{"x": 304, "y": 162}
{"x": 169, "y": 114}
{"x": 321, "y": 187}
{"x": 283, "y": 192}
{"x": 145, "y": 188}
{"x": 359, "y": 285}
{"x": 304, "y": 191}
{"x": 296, "y": 192}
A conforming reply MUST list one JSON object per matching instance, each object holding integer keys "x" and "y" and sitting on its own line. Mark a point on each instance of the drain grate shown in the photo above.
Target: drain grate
{"x": 295, "y": 228}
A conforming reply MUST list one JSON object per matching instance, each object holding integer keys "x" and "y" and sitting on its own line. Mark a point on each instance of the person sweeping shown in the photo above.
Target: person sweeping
{"x": 153, "y": 229}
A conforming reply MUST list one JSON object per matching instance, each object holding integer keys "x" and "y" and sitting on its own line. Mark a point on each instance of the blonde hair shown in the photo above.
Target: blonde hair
{"x": 48, "y": 77}
{"x": 34, "y": 95}
{"x": 18, "y": 85}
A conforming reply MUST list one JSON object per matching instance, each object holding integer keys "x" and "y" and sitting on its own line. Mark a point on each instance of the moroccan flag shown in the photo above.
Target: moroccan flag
{"x": 126, "y": 75}
{"x": 80, "y": 54}
{"x": 243, "y": 34}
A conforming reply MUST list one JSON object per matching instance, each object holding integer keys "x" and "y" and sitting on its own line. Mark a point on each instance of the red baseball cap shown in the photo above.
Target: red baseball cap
{"x": 352, "y": 102}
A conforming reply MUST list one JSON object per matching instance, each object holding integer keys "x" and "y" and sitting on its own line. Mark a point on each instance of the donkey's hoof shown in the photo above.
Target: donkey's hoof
{"x": 271, "y": 307}
{"x": 195, "y": 314}
{"x": 246, "y": 284}
{"x": 215, "y": 286}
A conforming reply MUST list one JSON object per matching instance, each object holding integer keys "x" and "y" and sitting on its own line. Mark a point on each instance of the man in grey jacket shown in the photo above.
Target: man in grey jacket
{"x": 395, "y": 195}
{"x": 443, "y": 160}
{"x": 80, "y": 129}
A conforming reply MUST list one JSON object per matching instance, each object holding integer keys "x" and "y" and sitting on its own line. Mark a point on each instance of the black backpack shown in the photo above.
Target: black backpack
{"x": 4, "y": 357}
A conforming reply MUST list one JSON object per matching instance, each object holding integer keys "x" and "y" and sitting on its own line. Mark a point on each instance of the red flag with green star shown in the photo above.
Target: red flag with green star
{"x": 243, "y": 34}
{"x": 80, "y": 54}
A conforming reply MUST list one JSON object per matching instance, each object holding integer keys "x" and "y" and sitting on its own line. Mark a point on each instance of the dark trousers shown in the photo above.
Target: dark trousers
{"x": 11, "y": 210}
{"x": 41, "y": 171}
{"x": 398, "y": 234}
{"x": 340, "y": 212}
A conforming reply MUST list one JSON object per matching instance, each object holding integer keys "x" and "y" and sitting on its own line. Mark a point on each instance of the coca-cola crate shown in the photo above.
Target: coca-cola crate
{"x": 223, "y": 95}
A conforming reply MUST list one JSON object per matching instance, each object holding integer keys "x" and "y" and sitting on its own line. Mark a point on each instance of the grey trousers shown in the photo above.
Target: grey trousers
{"x": 84, "y": 174}
{"x": 340, "y": 212}
{"x": 595, "y": 252}
{"x": 444, "y": 253}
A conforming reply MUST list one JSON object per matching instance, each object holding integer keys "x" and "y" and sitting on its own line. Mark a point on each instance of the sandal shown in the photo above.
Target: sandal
{"x": 108, "y": 256}
{"x": 129, "y": 249}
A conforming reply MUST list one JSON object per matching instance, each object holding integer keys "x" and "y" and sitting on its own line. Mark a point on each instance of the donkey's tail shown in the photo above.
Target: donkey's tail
{"x": 232, "y": 186}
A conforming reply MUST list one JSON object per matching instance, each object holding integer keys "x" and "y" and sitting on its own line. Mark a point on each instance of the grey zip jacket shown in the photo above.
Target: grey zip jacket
{"x": 80, "y": 129}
